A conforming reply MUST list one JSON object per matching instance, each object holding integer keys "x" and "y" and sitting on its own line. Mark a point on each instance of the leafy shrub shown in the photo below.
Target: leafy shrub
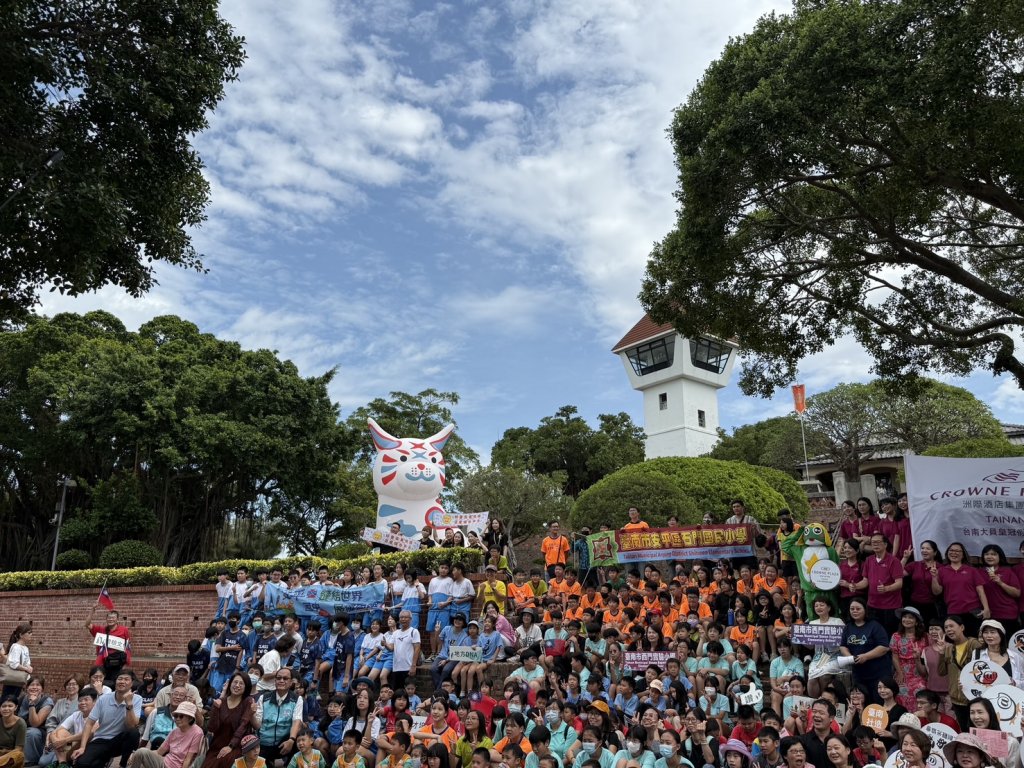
{"x": 206, "y": 573}
{"x": 682, "y": 486}
{"x": 73, "y": 560}
{"x": 795, "y": 496}
{"x": 130, "y": 553}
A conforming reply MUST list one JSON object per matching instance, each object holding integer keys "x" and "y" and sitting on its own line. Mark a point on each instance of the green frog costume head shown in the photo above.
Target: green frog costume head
{"x": 817, "y": 564}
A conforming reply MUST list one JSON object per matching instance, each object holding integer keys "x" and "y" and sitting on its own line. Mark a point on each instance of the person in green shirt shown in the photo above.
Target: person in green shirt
{"x": 616, "y": 580}
{"x": 473, "y": 739}
{"x": 12, "y": 733}
{"x": 593, "y": 748}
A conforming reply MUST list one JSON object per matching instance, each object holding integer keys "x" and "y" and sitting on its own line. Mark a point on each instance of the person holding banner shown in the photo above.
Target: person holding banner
{"x": 113, "y": 642}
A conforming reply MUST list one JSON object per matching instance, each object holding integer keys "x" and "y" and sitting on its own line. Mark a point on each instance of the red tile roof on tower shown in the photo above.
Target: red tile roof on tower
{"x": 645, "y": 329}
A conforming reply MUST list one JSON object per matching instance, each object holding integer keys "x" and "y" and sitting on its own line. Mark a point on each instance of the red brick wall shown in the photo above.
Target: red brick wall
{"x": 162, "y": 620}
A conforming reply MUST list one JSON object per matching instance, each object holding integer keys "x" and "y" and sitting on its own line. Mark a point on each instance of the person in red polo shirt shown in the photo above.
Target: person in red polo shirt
{"x": 113, "y": 644}
{"x": 883, "y": 577}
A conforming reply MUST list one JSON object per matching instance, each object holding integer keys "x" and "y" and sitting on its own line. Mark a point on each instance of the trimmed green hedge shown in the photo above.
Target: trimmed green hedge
{"x": 206, "y": 573}
{"x": 685, "y": 487}
{"x": 795, "y": 496}
{"x": 73, "y": 560}
{"x": 978, "y": 448}
{"x": 130, "y": 553}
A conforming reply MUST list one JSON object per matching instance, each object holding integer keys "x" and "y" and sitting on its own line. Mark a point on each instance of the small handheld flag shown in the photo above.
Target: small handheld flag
{"x": 104, "y": 599}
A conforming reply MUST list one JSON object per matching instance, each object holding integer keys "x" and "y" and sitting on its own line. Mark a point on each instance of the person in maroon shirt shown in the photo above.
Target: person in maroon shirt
{"x": 850, "y": 529}
{"x": 1019, "y": 570}
{"x": 883, "y": 579}
{"x": 851, "y": 572}
{"x": 961, "y": 588}
{"x": 868, "y": 521}
{"x": 1001, "y": 586}
{"x": 903, "y": 523}
{"x": 920, "y": 573}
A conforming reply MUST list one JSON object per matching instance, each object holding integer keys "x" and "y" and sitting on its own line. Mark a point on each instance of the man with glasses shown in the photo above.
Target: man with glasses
{"x": 112, "y": 728}
{"x": 179, "y": 679}
{"x": 278, "y": 718}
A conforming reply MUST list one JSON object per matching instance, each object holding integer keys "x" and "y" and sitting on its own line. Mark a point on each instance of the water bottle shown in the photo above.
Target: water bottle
{"x": 732, "y": 617}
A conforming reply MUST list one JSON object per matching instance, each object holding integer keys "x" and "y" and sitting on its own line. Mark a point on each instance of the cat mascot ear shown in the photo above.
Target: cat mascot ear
{"x": 382, "y": 439}
{"x": 439, "y": 440}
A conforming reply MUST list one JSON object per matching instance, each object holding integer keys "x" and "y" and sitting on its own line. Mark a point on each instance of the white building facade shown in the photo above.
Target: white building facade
{"x": 679, "y": 379}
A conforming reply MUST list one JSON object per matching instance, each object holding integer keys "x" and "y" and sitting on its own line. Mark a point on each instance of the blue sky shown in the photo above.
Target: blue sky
{"x": 460, "y": 196}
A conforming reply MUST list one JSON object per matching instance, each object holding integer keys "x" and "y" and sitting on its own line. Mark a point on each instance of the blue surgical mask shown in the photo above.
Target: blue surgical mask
{"x": 552, "y": 716}
{"x": 666, "y": 750}
{"x": 589, "y": 747}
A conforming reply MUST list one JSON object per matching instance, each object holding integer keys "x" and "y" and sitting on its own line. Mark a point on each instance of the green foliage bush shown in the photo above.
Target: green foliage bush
{"x": 795, "y": 496}
{"x": 73, "y": 560}
{"x": 980, "y": 448}
{"x": 206, "y": 573}
{"x": 684, "y": 487}
{"x": 130, "y": 553}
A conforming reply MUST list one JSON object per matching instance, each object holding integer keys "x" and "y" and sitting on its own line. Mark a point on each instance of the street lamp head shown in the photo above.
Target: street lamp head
{"x": 54, "y": 160}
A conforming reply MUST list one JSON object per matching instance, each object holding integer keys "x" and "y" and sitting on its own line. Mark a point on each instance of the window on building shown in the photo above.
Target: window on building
{"x": 702, "y": 420}
{"x": 653, "y": 356}
{"x": 663, "y": 402}
{"x": 709, "y": 355}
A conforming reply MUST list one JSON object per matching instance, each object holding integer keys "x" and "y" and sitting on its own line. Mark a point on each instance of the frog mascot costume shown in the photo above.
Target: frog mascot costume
{"x": 817, "y": 564}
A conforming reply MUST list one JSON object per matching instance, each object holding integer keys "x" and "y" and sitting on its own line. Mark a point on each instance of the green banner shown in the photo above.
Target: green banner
{"x": 602, "y": 549}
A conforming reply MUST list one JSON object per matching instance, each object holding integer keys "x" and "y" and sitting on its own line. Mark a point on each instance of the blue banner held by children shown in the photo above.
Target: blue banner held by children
{"x": 317, "y": 600}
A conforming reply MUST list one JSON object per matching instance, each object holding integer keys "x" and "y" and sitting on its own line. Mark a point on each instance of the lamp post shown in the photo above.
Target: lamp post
{"x": 67, "y": 483}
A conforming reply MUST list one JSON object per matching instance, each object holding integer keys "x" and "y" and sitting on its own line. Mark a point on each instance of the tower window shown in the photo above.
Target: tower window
{"x": 653, "y": 356}
{"x": 709, "y": 355}
{"x": 702, "y": 420}
{"x": 663, "y": 401}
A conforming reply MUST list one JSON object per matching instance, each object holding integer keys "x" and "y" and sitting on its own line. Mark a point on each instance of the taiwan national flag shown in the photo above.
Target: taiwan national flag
{"x": 554, "y": 647}
{"x": 104, "y": 599}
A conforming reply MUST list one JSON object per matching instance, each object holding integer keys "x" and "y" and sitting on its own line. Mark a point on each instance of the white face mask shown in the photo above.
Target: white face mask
{"x": 634, "y": 747}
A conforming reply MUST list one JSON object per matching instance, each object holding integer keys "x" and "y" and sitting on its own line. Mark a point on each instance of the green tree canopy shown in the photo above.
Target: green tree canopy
{"x": 980, "y": 448}
{"x": 522, "y": 501}
{"x": 854, "y": 167}
{"x": 565, "y": 447}
{"x": 774, "y": 442}
{"x": 685, "y": 487}
{"x": 120, "y": 88}
{"x": 166, "y": 431}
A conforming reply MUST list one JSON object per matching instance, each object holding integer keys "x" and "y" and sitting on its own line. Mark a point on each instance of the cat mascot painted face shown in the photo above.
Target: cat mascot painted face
{"x": 408, "y": 475}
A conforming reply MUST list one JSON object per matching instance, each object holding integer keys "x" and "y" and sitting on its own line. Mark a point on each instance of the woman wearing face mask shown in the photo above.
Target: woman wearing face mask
{"x": 669, "y": 752}
{"x": 637, "y": 753}
{"x": 560, "y": 720}
{"x": 983, "y": 715}
{"x": 593, "y": 748}
{"x": 474, "y": 738}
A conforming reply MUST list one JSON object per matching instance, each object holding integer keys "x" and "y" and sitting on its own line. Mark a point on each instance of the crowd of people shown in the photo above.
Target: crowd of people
{"x": 683, "y": 664}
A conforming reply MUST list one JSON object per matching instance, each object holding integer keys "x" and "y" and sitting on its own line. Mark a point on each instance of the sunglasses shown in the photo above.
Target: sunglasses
{"x": 283, "y": 677}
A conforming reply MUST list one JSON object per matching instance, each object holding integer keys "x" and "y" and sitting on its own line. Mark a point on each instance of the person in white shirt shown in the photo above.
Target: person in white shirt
{"x": 407, "y": 651}
{"x": 63, "y": 739}
{"x": 439, "y": 594}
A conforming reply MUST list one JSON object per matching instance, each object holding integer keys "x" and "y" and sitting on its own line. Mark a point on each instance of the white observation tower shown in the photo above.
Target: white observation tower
{"x": 680, "y": 379}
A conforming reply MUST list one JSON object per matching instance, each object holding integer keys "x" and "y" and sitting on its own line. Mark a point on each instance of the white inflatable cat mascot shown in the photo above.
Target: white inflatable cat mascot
{"x": 408, "y": 475}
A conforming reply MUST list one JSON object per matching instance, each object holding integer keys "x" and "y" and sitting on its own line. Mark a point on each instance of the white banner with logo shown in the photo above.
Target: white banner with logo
{"x": 389, "y": 539}
{"x": 973, "y": 501}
